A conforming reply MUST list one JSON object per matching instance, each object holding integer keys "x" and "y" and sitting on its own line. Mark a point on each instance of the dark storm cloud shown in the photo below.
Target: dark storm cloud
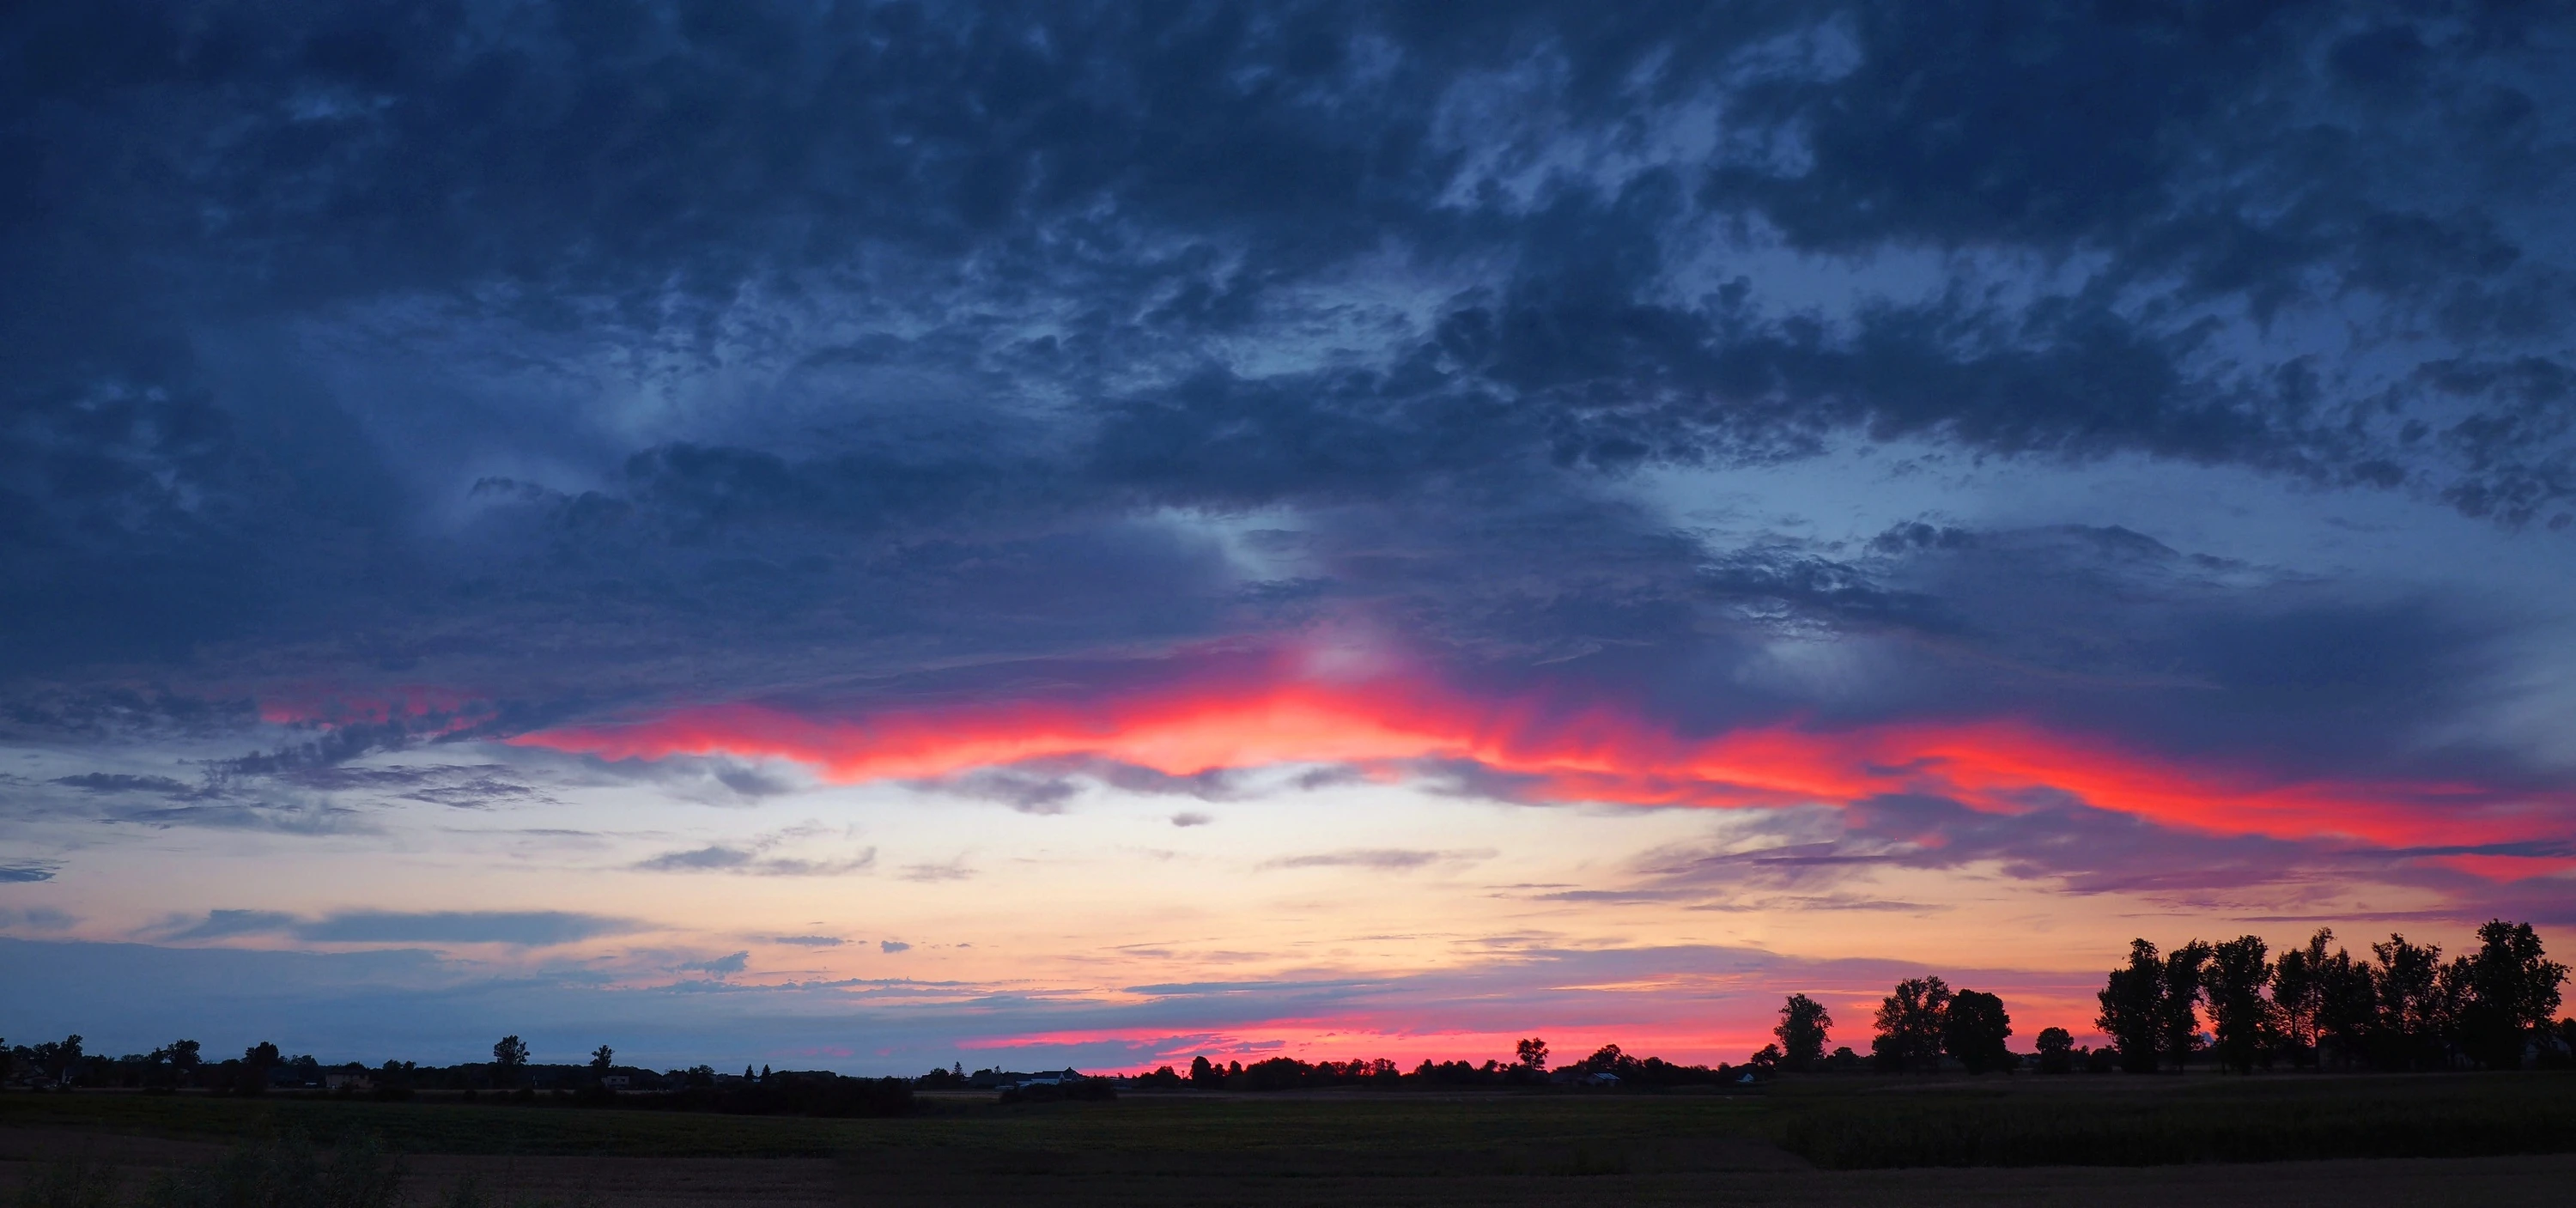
{"x": 580, "y": 358}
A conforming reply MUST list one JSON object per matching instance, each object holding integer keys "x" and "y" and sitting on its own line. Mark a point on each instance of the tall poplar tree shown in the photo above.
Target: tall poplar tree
{"x": 2130, "y": 999}
{"x": 2178, "y": 1015}
{"x": 2241, "y": 1017}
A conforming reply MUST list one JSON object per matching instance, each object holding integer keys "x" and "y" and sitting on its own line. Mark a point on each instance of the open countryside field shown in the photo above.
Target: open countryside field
{"x": 2274, "y": 1141}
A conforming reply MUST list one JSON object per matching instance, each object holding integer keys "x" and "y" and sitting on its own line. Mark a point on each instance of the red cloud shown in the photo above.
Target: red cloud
{"x": 1275, "y": 713}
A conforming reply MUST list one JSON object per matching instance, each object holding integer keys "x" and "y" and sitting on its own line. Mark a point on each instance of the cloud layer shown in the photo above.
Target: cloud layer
{"x": 2128, "y": 451}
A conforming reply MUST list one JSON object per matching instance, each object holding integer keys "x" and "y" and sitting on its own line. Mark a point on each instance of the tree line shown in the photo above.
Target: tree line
{"x": 1529, "y": 1066}
{"x": 2402, "y": 1007}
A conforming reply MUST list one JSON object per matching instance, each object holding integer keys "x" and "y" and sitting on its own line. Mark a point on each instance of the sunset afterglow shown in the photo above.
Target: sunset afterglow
{"x": 888, "y": 536}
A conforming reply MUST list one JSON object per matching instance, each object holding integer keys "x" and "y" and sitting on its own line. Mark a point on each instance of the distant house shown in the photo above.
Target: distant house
{"x": 348, "y": 1080}
{"x": 614, "y": 1082}
{"x": 1049, "y": 1078}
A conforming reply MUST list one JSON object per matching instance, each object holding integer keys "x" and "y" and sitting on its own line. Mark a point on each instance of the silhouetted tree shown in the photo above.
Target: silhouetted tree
{"x": 1205, "y": 1075}
{"x": 2132, "y": 1000}
{"x": 509, "y": 1059}
{"x": 1973, "y": 1030}
{"x": 2407, "y": 1027}
{"x": 2179, "y": 1012}
{"x": 2298, "y": 995}
{"x": 2347, "y": 1006}
{"x": 2056, "y": 1051}
{"x": 1803, "y": 1028}
{"x": 183, "y": 1057}
{"x": 1909, "y": 1025}
{"x": 59, "y": 1059}
{"x": 2239, "y": 971}
{"x": 2513, "y": 991}
{"x": 1533, "y": 1054}
{"x": 602, "y": 1058}
{"x": 256, "y": 1062}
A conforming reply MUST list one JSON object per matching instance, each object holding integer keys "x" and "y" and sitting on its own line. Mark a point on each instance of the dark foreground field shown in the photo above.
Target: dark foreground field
{"x": 2099, "y": 1142}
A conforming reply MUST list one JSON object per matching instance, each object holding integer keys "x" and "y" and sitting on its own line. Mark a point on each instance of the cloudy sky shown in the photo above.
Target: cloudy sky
{"x": 873, "y": 535}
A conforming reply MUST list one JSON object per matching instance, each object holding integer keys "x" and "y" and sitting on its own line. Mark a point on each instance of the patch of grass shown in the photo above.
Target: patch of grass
{"x": 286, "y": 1173}
{"x": 2135, "y": 1122}
{"x": 430, "y": 1126}
{"x": 71, "y": 1183}
{"x": 1137, "y": 1123}
{"x": 1847, "y": 1123}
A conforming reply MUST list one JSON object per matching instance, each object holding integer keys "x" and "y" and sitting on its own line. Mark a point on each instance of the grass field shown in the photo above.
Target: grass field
{"x": 1796, "y": 1143}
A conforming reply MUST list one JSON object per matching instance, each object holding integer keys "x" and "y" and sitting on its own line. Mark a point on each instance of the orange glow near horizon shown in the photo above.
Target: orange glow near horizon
{"x": 1590, "y": 755}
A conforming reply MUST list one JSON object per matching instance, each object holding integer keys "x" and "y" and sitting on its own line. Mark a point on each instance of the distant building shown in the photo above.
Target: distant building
{"x": 614, "y": 1082}
{"x": 348, "y": 1080}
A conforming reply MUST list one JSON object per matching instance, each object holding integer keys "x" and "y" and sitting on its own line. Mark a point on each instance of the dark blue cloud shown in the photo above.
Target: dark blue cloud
{"x": 512, "y": 352}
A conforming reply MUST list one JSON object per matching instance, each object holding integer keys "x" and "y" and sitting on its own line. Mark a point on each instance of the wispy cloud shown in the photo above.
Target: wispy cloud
{"x": 528, "y": 929}
{"x": 953, "y": 870}
{"x": 750, "y": 862}
{"x": 722, "y": 966}
{"x": 1384, "y": 859}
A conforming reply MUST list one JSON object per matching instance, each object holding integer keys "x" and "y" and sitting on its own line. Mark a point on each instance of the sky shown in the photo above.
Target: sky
{"x": 868, "y": 536}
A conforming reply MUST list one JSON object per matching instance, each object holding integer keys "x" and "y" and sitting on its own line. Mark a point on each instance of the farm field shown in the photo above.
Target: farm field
{"x": 2342, "y": 1141}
